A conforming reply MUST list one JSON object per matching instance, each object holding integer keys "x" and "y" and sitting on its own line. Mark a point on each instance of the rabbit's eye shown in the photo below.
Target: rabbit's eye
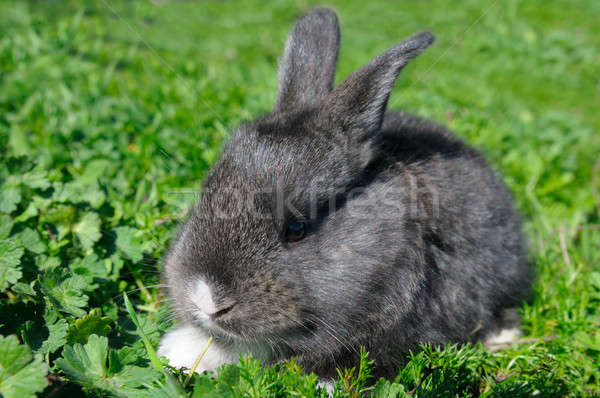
{"x": 296, "y": 231}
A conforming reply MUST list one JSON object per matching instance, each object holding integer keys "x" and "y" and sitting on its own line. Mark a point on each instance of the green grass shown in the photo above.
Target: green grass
{"x": 111, "y": 113}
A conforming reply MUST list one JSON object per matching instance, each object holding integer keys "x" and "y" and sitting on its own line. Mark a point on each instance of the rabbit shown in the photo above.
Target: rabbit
{"x": 331, "y": 224}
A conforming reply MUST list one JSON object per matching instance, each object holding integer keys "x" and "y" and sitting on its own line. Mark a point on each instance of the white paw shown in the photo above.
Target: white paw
{"x": 183, "y": 345}
{"x": 328, "y": 385}
{"x": 504, "y": 337}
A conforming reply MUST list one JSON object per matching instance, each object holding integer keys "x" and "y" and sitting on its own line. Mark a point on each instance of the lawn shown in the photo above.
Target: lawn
{"x": 111, "y": 113}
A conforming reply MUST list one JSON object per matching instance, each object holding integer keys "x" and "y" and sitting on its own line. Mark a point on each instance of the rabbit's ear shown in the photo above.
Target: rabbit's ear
{"x": 361, "y": 99}
{"x": 307, "y": 68}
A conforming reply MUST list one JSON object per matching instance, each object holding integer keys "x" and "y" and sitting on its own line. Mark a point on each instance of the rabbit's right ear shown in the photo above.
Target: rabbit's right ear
{"x": 307, "y": 68}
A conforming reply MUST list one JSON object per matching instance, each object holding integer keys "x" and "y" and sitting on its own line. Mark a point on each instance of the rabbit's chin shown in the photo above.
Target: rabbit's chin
{"x": 184, "y": 345}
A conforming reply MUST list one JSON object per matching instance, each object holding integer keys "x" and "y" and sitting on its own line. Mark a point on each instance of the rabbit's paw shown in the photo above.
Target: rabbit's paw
{"x": 184, "y": 345}
{"x": 503, "y": 337}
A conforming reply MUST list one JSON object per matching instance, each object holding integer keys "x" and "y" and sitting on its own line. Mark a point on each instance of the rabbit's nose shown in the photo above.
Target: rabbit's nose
{"x": 203, "y": 299}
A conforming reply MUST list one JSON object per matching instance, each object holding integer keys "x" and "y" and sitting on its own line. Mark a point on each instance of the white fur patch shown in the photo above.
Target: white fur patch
{"x": 184, "y": 345}
{"x": 202, "y": 298}
{"x": 504, "y": 337}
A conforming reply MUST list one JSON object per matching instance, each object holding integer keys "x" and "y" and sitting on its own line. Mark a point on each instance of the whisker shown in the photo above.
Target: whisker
{"x": 119, "y": 297}
{"x": 332, "y": 332}
{"x": 317, "y": 339}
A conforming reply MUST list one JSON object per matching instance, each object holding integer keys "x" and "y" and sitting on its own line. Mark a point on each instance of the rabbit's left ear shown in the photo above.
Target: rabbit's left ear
{"x": 359, "y": 102}
{"x": 307, "y": 68}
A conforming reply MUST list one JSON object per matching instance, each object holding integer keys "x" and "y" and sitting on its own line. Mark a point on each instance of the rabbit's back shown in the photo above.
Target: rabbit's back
{"x": 464, "y": 225}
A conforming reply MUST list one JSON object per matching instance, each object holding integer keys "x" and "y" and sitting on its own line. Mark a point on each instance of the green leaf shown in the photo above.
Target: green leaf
{"x": 29, "y": 212}
{"x": 20, "y": 376}
{"x": 24, "y": 288}
{"x": 10, "y": 198}
{"x": 86, "y": 362}
{"x": 116, "y": 263}
{"x": 385, "y": 389}
{"x": 36, "y": 178}
{"x": 76, "y": 192}
{"x": 6, "y": 224}
{"x": 205, "y": 387}
{"x": 129, "y": 244}
{"x": 19, "y": 165}
{"x": 30, "y": 239}
{"x": 64, "y": 291}
{"x": 92, "y": 323}
{"x": 88, "y": 365}
{"x": 88, "y": 230}
{"x": 94, "y": 170}
{"x": 90, "y": 267}
{"x": 47, "y": 337}
{"x": 44, "y": 262}
{"x": 173, "y": 389}
{"x": 57, "y": 336}
{"x": 10, "y": 258}
{"x": 59, "y": 214}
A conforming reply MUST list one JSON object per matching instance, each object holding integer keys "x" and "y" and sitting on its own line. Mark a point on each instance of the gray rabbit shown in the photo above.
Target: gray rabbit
{"x": 332, "y": 224}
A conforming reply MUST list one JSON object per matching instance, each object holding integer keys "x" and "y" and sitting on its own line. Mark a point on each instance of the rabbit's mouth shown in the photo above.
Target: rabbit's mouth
{"x": 234, "y": 322}
{"x": 211, "y": 324}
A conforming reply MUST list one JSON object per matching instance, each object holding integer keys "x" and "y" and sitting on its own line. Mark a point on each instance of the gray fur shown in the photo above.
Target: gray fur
{"x": 412, "y": 237}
